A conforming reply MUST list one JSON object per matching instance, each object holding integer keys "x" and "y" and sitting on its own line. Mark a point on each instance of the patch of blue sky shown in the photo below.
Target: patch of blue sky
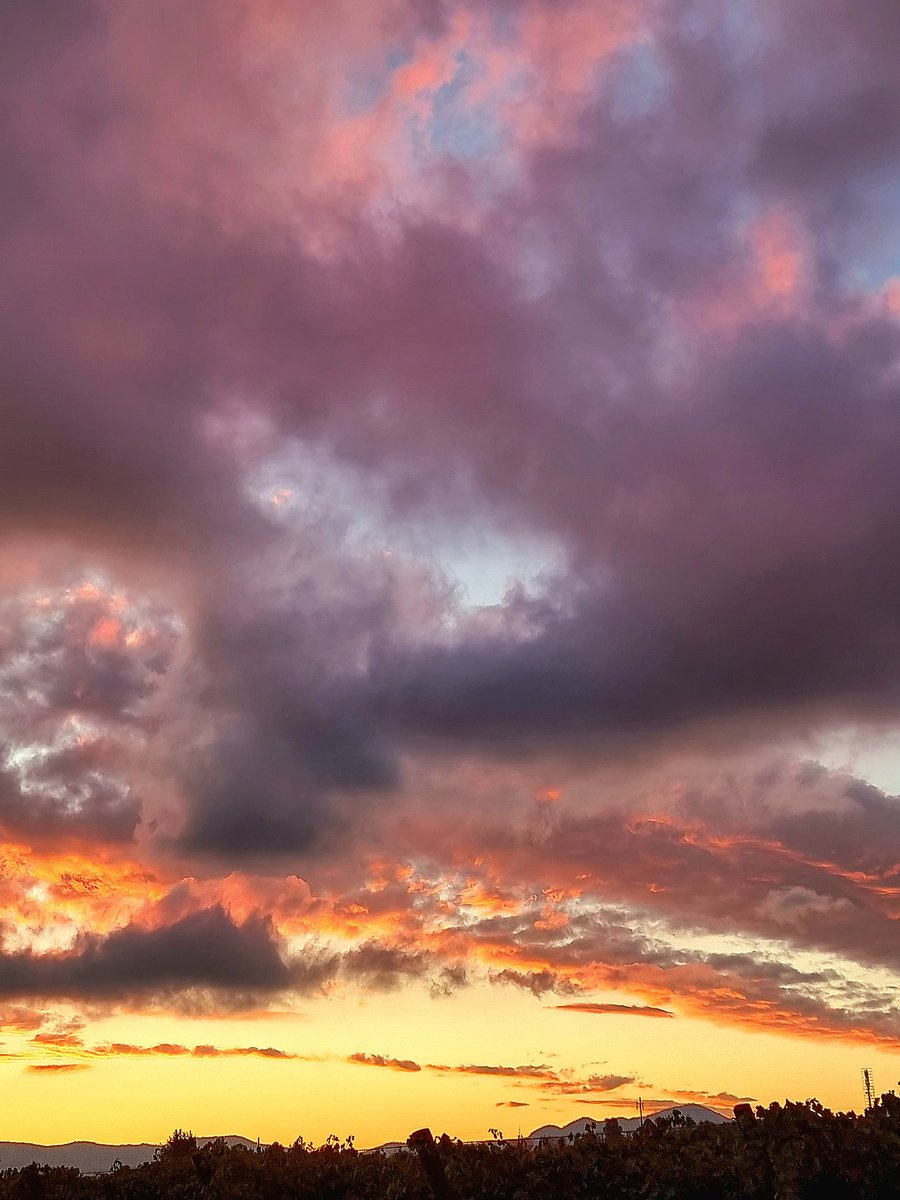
{"x": 876, "y": 255}
{"x": 487, "y": 564}
{"x": 871, "y": 275}
{"x": 741, "y": 22}
{"x": 455, "y": 128}
{"x": 305, "y": 488}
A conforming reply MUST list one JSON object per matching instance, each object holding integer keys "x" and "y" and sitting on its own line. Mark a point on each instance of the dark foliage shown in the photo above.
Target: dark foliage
{"x": 798, "y": 1151}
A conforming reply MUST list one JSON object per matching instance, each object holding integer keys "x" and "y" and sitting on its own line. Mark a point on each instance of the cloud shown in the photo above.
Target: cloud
{"x": 127, "y": 1050}
{"x": 670, "y": 589}
{"x": 536, "y": 1075}
{"x": 723, "y": 1100}
{"x": 175, "y": 1050}
{"x": 203, "y": 950}
{"x": 616, "y": 1104}
{"x": 546, "y": 1079}
{"x": 384, "y": 966}
{"x": 536, "y": 982}
{"x": 793, "y": 905}
{"x": 56, "y": 1068}
{"x": 205, "y": 954}
{"x": 592, "y": 1083}
{"x": 379, "y": 1060}
{"x": 527, "y": 1071}
{"x": 512, "y": 1104}
{"x": 20, "y": 1018}
{"x": 207, "y": 1051}
{"x": 58, "y": 1039}
{"x": 720, "y": 1101}
{"x": 633, "y": 1010}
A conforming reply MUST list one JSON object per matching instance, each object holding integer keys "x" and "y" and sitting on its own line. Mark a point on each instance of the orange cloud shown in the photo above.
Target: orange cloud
{"x": 52, "y": 895}
{"x": 20, "y": 1018}
{"x": 58, "y": 1039}
{"x": 891, "y": 295}
{"x": 106, "y": 633}
{"x": 241, "y": 1052}
{"x": 71, "y": 1042}
{"x": 124, "y": 1048}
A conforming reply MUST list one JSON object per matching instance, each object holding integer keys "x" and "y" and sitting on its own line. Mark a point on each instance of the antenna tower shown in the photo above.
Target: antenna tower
{"x": 869, "y": 1085}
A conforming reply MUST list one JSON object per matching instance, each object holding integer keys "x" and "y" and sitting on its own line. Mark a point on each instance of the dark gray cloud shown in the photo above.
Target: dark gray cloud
{"x": 710, "y": 617}
{"x": 858, "y": 134}
{"x": 385, "y": 967}
{"x": 209, "y": 961}
{"x": 206, "y": 949}
{"x": 539, "y": 983}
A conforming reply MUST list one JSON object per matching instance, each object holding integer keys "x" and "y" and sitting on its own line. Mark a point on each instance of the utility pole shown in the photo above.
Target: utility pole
{"x": 640, "y": 1107}
{"x": 869, "y": 1085}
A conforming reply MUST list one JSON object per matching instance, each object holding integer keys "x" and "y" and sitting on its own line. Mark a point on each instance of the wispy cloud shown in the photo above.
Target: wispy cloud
{"x": 631, "y": 1010}
{"x": 524, "y": 1072}
{"x": 56, "y": 1068}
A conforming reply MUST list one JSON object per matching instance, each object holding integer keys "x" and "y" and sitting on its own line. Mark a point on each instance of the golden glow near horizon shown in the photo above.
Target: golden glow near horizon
{"x": 465, "y": 999}
{"x": 125, "y": 1097}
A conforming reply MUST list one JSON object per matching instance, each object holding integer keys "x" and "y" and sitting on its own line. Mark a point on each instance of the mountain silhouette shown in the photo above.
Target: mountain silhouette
{"x": 90, "y": 1157}
{"x": 696, "y": 1112}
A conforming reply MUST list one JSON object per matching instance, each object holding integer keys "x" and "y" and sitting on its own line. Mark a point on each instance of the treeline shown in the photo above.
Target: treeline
{"x": 784, "y": 1152}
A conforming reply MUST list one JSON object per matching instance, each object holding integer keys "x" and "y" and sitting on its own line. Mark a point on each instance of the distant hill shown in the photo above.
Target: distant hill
{"x": 90, "y": 1157}
{"x": 696, "y": 1112}
{"x": 95, "y": 1157}
{"x": 386, "y": 1148}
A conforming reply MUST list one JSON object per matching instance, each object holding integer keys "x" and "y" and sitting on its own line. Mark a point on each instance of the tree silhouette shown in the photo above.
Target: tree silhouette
{"x": 790, "y": 1151}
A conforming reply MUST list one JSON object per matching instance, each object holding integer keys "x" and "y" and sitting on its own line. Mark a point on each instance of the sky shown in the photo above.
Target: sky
{"x": 449, "y": 562}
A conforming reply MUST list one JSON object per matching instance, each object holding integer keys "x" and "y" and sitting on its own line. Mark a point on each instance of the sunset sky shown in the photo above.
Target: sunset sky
{"x": 449, "y": 562}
